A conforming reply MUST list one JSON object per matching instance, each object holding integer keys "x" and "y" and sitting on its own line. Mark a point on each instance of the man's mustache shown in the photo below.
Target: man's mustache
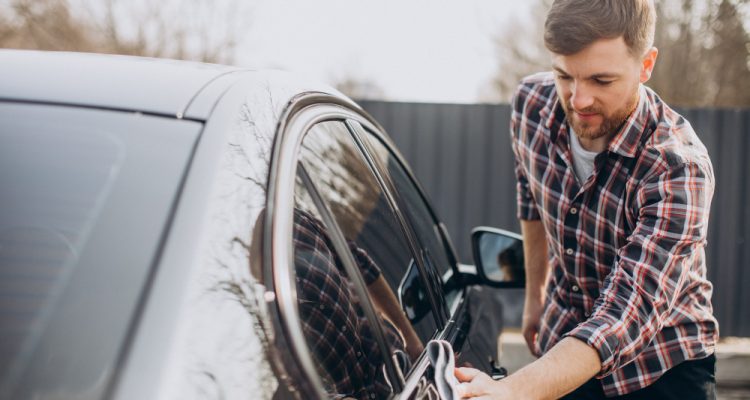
{"x": 587, "y": 110}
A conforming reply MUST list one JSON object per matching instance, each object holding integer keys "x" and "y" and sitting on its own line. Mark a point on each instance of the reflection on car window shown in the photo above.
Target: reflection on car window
{"x": 55, "y": 182}
{"x": 339, "y": 336}
{"x": 360, "y": 208}
{"x": 414, "y": 208}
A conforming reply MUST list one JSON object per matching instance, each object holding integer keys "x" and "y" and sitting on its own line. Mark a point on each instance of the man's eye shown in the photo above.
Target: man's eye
{"x": 602, "y": 82}
{"x": 563, "y": 77}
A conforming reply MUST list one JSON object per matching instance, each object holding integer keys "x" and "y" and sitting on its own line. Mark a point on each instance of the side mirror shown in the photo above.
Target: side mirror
{"x": 498, "y": 255}
{"x": 412, "y": 296}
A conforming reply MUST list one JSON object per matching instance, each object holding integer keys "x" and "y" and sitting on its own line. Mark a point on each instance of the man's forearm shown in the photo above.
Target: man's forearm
{"x": 386, "y": 302}
{"x": 568, "y": 365}
{"x": 535, "y": 254}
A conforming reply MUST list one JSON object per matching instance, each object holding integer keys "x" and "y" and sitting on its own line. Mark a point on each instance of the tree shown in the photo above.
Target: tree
{"x": 360, "y": 88}
{"x": 199, "y": 30}
{"x": 520, "y": 51}
{"x": 704, "y": 53}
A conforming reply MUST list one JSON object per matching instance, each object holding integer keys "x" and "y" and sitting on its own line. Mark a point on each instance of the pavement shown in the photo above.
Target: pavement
{"x": 732, "y": 363}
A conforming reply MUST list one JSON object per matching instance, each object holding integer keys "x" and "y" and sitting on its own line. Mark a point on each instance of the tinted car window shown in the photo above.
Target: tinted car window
{"x": 79, "y": 226}
{"x": 340, "y": 337}
{"x": 414, "y": 208}
{"x": 360, "y": 207}
{"x": 55, "y": 182}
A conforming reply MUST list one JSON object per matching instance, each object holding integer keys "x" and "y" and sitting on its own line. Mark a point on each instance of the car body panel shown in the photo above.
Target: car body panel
{"x": 130, "y": 83}
{"x": 223, "y": 196}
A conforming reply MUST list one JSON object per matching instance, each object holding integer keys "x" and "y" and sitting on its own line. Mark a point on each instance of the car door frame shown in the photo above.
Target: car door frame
{"x": 453, "y": 323}
{"x": 459, "y": 319}
{"x": 292, "y": 357}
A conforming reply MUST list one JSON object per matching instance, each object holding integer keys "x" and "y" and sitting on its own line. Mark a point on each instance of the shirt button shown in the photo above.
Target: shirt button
{"x": 573, "y": 210}
{"x": 359, "y": 354}
{"x": 569, "y": 252}
{"x": 372, "y": 395}
{"x": 575, "y": 288}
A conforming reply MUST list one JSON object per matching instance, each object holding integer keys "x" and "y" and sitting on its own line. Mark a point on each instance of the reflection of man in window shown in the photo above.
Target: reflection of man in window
{"x": 511, "y": 267}
{"x": 341, "y": 339}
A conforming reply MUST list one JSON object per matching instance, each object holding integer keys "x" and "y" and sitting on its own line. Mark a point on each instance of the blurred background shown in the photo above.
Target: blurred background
{"x": 419, "y": 50}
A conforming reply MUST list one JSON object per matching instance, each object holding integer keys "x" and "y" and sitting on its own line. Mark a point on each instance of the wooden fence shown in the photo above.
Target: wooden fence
{"x": 461, "y": 154}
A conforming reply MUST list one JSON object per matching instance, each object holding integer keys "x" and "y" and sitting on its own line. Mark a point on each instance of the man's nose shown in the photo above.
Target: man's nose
{"x": 581, "y": 97}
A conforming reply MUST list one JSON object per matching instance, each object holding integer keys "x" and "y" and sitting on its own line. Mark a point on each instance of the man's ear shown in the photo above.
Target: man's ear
{"x": 647, "y": 64}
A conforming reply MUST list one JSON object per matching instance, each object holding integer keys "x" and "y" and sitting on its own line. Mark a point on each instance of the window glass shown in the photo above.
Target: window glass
{"x": 414, "y": 208}
{"x": 340, "y": 338}
{"x": 361, "y": 210}
{"x": 56, "y": 181}
{"x": 85, "y": 197}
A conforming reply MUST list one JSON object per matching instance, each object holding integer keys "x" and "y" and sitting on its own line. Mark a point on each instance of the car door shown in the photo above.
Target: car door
{"x": 348, "y": 250}
{"x": 346, "y": 205}
{"x": 475, "y": 311}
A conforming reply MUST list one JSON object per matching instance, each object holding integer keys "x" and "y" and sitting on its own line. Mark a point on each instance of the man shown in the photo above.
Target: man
{"x": 614, "y": 190}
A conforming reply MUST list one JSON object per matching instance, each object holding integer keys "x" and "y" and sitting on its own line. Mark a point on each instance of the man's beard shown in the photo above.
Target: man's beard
{"x": 609, "y": 124}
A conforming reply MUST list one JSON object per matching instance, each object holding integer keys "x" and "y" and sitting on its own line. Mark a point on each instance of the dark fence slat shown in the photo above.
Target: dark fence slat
{"x": 450, "y": 170}
{"x": 502, "y": 187}
{"x": 424, "y": 128}
{"x": 727, "y": 179}
{"x": 400, "y": 124}
{"x": 742, "y": 306}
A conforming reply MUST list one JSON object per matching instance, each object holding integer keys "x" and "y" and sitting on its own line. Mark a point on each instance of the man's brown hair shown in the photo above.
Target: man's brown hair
{"x": 573, "y": 25}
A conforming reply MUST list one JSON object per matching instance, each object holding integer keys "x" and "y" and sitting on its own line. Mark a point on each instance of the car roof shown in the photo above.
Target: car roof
{"x": 148, "y": 85}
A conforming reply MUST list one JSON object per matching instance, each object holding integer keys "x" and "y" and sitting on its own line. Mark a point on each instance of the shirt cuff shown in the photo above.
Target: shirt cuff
{"x": 370, "y": 270}
{"x": 527, "y": 212}
{"x": 601, "y": 334}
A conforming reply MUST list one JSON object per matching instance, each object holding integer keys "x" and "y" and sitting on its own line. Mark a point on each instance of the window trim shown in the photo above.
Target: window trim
{"x": 363, "y": 128}
{"x": 292, "y": 353}
{"x": 395, "y": 205}
{"x": 350, "y": 265}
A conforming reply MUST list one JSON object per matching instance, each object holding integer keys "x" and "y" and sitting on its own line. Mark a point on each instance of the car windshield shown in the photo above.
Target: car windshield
{"x": 64, "y": 173}
{"x": 55, "y": 181}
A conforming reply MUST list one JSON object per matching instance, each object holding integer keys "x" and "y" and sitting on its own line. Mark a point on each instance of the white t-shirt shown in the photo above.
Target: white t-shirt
{"x": 583, "y": 160}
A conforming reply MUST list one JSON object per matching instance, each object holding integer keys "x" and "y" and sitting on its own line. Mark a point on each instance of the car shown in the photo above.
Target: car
{"x": 173, "y": 229}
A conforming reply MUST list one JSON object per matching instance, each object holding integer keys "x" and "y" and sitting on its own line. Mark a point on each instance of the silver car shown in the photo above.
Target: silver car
{"x": 179, "y": 230}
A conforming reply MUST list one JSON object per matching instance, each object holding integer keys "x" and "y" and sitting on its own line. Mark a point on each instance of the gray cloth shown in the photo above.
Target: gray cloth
{"x": 443, "y": 363}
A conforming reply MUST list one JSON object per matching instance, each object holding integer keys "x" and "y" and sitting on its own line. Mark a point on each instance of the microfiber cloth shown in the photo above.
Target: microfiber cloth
{"x": 443, "y": 362}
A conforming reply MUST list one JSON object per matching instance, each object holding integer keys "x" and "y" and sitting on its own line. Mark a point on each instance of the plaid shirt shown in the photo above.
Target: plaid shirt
{"x": 340, "y": 337}
{"x": 626, "y": 247}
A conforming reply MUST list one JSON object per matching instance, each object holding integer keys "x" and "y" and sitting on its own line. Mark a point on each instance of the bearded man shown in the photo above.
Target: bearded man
{"x": 614, "y": 192}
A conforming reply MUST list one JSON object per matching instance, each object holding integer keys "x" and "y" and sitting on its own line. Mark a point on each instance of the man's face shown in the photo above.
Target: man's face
{"x": 598, "y": 86}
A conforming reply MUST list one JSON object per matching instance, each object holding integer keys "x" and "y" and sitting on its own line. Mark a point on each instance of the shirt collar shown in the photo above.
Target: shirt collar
{"x": 625, "y": 142}
{"x": 552, "y": 113}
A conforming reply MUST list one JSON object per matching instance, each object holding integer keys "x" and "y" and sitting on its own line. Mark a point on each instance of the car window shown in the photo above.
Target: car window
{"x": 415, "y": 208}
{"x": 86, "y": 196}
{"x": 366, "y": 219}
{"x": 340, "y": 337}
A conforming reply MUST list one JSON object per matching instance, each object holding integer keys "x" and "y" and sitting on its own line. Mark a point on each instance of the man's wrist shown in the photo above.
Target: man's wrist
{"x": 568, "y": 365}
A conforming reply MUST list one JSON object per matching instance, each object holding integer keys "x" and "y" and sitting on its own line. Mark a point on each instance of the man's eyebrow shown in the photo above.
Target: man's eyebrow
{"x": 560, "y": 70}
{"x": 605, "y": 75}
{"x": 601, "y": 75}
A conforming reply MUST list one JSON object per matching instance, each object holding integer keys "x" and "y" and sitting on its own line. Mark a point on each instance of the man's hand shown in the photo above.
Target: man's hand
{"x": 532, "y": 315}
{"x": 568, "y": 365}
{"x": 475, "y": 384}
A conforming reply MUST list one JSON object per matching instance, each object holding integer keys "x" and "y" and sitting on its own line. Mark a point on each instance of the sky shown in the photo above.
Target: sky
{"x": 414, "y": 50}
